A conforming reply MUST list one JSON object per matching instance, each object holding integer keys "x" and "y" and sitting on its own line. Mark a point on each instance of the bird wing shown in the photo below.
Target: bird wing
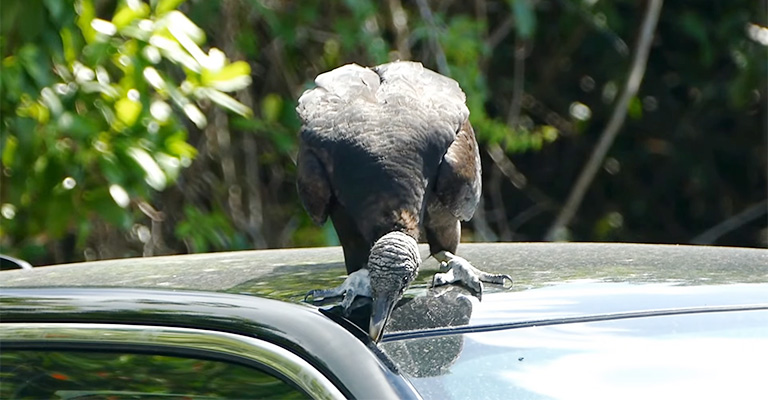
{"x": 374, "y": 139}
{"x": 313, "y": 185}
{"x": 459, "y": 184}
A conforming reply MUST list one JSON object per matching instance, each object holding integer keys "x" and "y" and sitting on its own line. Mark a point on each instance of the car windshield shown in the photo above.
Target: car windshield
{"x": 702, "y": 355}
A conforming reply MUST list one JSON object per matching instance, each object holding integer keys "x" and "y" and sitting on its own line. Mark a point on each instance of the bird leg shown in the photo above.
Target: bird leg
{"x": 456, "y": 269}
{"x": 357, "y": 283}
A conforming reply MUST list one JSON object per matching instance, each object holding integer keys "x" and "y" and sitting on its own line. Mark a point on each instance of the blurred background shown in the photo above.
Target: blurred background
{"x": 155, "y": 127}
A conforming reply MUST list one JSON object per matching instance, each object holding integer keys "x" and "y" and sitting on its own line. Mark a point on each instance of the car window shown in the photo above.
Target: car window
{"x": 713, "y": 355}
{"x": 91, "y": 375}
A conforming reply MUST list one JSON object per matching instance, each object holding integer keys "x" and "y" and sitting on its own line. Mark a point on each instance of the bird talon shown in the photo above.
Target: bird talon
{"x": 317, "y": 295}
{"x": 346, "y": 303}
{"x": 443, "y": 267}
{"x": 498, "y": 279}
{"x": 457, "y": 269}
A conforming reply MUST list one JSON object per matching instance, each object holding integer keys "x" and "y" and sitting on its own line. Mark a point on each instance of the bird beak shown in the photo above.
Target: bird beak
{"x": 382, "y": 308}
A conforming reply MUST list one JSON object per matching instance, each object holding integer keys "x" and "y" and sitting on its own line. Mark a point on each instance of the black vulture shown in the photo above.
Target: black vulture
{"x": 385, "y": 152}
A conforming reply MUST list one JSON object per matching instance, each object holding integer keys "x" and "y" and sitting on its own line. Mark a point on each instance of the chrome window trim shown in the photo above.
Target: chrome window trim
{"x": 293, "y": 367}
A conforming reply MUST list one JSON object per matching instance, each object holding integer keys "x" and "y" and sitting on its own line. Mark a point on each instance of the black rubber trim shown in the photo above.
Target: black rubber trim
{"x": 464, "y": 329}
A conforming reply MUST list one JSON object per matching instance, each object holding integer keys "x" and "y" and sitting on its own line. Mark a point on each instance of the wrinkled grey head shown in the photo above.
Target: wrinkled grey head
{"x": 393, "y": 264}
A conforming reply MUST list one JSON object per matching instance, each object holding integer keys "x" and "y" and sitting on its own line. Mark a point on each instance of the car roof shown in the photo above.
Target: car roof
{"x": 530, "y": 265}
{"x": 552, "y": 280}
{"x": 559, "y": 260}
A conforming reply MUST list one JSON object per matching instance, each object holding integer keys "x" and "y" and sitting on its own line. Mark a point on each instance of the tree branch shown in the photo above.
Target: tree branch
{"x": 712, "y": 234}
{"x": 440, "y": 60}
{"x": 636, "y": 72}
{"x": 399, "y": 20}
{"x": 518, "y": 81}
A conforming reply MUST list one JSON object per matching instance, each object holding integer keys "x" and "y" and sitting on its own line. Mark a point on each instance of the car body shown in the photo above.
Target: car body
{"x": 582, "y": 320}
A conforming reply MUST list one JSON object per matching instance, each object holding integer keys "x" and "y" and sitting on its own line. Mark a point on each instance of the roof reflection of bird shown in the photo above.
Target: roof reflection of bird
{"x": 444, "y": 307}
{"x": 383, "y": 152}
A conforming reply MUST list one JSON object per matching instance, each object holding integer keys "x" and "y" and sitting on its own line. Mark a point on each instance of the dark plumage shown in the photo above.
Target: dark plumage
{"x": 385, "y": 151}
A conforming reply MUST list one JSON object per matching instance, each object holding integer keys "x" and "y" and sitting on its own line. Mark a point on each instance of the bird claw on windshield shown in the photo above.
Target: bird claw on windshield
{"x": 356, "y": 284}
{"x": 457, "y": 269}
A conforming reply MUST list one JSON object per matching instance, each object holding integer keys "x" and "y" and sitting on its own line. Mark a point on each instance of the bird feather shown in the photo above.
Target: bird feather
{"x": 382, "y": 146}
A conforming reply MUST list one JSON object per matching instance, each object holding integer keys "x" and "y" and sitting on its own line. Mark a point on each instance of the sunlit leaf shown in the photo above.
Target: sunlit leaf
{"x": 224, "y": 100}
{"x": 68, "y": 43}
{"x": 549, "y": 133}
{"x": 129, "y": 12}
{"x": 164, "y": 6}
{"x": 234, "y": 76}
{"x": 103, "y": 27}
{"x": 86, "y": 13}
{"x": 170, "y": 165}
{"x": 177, "y": 145}
{"x": 120, "y": 196}
{"x": 216, "y": 60}
{"x": 33, "y": 109}
{"x": 195, "y": 115}
{"x": 127, "y": 111}
{"x": 184, "y": 25}
{"x": 9, "y": 150}
{"x": 154, "y": 176}
{"x": 96, "y": 87}
{"x": 160, "y": 111}
{"x": 153, "y": 78}
{"x": 173, "y": 51}
{"x": 271, "y": 106}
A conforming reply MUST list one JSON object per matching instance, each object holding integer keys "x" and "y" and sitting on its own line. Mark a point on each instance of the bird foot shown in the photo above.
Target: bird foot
{"x": 454, "y": 269}
{"x": 357, "y": 283}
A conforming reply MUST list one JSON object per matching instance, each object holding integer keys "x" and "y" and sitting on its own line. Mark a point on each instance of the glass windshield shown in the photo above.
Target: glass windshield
{"x": 702, "y": 356}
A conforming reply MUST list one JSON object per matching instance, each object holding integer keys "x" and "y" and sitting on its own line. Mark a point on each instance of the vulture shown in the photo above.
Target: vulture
{"x": 388, "y": 152}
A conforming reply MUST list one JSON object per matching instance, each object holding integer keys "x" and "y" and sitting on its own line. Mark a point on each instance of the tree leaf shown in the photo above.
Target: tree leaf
{"x": 164, "y": 6}
{"x": 127, "y": 14}
{"x": 234, "y": 76}
{"x": 153, "y": 174}
{"x": 127, "y": 111}
{"x": 271, "y": 106}
{"x": 9, "y": 150}
{"x": 225, "y": 101}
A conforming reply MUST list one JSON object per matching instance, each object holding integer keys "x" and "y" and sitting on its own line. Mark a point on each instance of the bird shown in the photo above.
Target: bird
{"x": 388, "y": 152}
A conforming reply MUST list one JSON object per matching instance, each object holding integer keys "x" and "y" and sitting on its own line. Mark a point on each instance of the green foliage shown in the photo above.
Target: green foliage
{"x": 93, "y": 116}
{"x": 105, "y": 102}
{"x": 204, "y": 232}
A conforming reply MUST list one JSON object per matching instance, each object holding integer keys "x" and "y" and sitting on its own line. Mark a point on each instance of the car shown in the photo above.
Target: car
{"x": 582, "y": 320}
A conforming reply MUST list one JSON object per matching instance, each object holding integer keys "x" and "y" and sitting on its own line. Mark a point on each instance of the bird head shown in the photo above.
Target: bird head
{"x": 392, "y": 265}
